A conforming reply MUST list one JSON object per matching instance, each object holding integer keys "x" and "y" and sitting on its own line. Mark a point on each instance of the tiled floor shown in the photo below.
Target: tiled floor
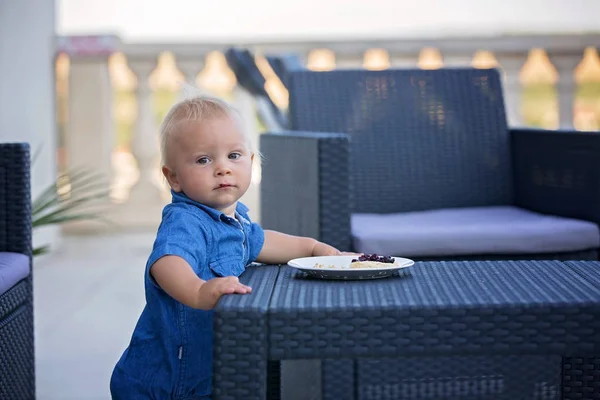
{"x": 88, "y": 296}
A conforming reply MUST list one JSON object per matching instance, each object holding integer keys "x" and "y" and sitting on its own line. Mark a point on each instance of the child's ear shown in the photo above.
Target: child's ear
{"x": 171, "y": 178}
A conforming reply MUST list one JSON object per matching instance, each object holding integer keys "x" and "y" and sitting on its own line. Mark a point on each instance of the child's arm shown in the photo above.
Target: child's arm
{"x": 176, "y": 277}
{"x": 280, "y": 248}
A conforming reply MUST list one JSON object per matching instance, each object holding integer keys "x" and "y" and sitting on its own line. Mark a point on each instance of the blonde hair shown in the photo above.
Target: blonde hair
{"x": 196, "y": 109}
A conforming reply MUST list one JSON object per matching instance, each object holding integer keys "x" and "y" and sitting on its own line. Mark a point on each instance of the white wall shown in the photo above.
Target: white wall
{"x": 193, "y": 20}
{"x": 27, "y": 106}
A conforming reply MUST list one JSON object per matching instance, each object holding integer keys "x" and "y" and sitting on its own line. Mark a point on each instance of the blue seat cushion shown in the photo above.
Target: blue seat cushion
{"x": 464, "y": 231}
{"x": 13, "y": 268}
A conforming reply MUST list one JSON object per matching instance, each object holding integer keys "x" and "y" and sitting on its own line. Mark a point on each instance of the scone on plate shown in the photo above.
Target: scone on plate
{"x": 373, "y": 261}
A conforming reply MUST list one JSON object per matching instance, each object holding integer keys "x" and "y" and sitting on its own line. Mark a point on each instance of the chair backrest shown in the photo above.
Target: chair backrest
{"x": 420, "y": 139}
{"x": 15, "y": 198}
{"x": 282, "y": 64}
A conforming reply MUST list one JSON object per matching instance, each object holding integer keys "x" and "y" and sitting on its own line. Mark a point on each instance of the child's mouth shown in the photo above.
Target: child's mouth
{"x": 224, "y": 186}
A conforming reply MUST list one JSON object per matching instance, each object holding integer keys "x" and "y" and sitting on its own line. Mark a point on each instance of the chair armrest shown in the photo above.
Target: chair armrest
{"x": 305, "y": 187}
{"x": 15, "y": 198}
{"x": 557, "y": 172}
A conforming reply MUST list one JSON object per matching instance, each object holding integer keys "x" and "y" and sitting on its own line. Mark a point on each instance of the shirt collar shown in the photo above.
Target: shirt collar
{"x": 180, "y": 197}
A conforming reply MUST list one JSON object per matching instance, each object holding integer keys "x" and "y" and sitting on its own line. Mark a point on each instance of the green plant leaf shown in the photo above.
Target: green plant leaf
{"x": 59, "y": 219}
{"x": 64, "y": 209}
{"x": 68, "y": 200}
{"x": 41, "y": 250}
{"x": 52, "y": 202}
{"x": 51, "y": 196}
{"x": 62, "y": 206}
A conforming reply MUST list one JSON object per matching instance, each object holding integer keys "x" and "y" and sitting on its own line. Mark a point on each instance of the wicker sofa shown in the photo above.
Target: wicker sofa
{"x": 17, "y": 361}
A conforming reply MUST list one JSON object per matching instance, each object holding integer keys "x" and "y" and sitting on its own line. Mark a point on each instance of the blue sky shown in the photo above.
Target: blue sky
{"x": 197, "y": 20}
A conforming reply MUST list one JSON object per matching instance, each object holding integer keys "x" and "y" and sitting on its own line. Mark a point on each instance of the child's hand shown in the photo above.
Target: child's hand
{"x": 323, "y": 249}
{"x": 211, "y": 291}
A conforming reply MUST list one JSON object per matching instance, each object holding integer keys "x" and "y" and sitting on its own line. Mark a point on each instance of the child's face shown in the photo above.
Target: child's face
{"x": 210, "y": 162}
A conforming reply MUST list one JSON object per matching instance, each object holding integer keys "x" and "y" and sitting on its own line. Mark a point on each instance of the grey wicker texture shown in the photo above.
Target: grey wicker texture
{"x": 17, "y": 363}
{"x": 274, "y": 380}
{"x": 439, "y": 308}
{"x": 581, "y": 378}
{"x": 464, "y": 378}
{"x": 16, "y": 355}
{"x": 557, "y": 172}
{"x": 240, "y": 342}
{"x": 15, "y": 198}
{"x": 585, "y": 255}
{"x": 447, "y": 309}
{"x": 338, "y": 379}
{"x": 305, "y": 186}
{"x": 335, "y": 198}
{"x": 588, "y": 270}
{"x": 420, "y": 139}
{"x": 14, "y": 298}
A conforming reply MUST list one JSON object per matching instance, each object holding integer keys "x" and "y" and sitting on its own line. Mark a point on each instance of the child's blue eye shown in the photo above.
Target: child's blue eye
{"x": 202, "y": 160}
{"x": 235, "y": 156}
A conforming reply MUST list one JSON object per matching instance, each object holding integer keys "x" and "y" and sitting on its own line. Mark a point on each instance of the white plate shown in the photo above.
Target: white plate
{"x": 338, "y": 267}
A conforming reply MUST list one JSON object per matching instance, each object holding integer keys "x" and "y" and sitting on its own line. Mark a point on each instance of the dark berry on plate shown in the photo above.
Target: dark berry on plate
{"x": 376, "y": 258}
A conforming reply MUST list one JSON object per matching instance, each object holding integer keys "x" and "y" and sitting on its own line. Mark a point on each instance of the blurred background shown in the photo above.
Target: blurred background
{"x": 87, "y": 83}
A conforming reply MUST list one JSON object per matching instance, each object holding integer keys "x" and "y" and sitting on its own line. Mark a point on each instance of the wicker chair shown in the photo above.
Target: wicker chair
{"x": 17, "y": 362}
{"x": 428, "y": 156}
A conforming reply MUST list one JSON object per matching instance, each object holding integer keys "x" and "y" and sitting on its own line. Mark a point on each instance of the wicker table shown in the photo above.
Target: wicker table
{"x": 495, "y": 329}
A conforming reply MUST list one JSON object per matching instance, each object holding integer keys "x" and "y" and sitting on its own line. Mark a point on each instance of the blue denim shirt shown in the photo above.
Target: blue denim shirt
{"x": 170, "y": 353}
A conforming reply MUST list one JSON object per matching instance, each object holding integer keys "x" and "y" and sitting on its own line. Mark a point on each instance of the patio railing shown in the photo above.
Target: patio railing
{"x": 112, "y": 95}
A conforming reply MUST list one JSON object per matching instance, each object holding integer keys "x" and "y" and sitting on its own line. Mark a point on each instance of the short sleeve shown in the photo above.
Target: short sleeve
{"x": 256, "y": 236}
{"x": 256, "y": 240}
{"x": 181, "y": 233}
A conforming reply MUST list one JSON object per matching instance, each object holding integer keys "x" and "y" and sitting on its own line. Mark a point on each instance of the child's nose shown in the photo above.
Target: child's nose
{"x": 222, "y": 172}
{"x": 223, "y": 169}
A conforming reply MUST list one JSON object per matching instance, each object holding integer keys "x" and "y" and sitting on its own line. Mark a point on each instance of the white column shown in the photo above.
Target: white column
{"x": 349, "y": 61}
{"x": 511, "y": 65}
{"x": 90, "y": 126}
{"x": 27, "y": 91}
{"x": 404, "y": 60}
{"x": 90, "y": 131}
{"x": 245, "y": 104}
{"x": 565, "y": 65}
{"x": 190, "y": 68}
{"x": 145, "y": 145}
{"x": 457, "y": 59}
{"x": 144, "y": 206}
{"x": 376, "y": 59}
{"x": 430, "y": 58}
